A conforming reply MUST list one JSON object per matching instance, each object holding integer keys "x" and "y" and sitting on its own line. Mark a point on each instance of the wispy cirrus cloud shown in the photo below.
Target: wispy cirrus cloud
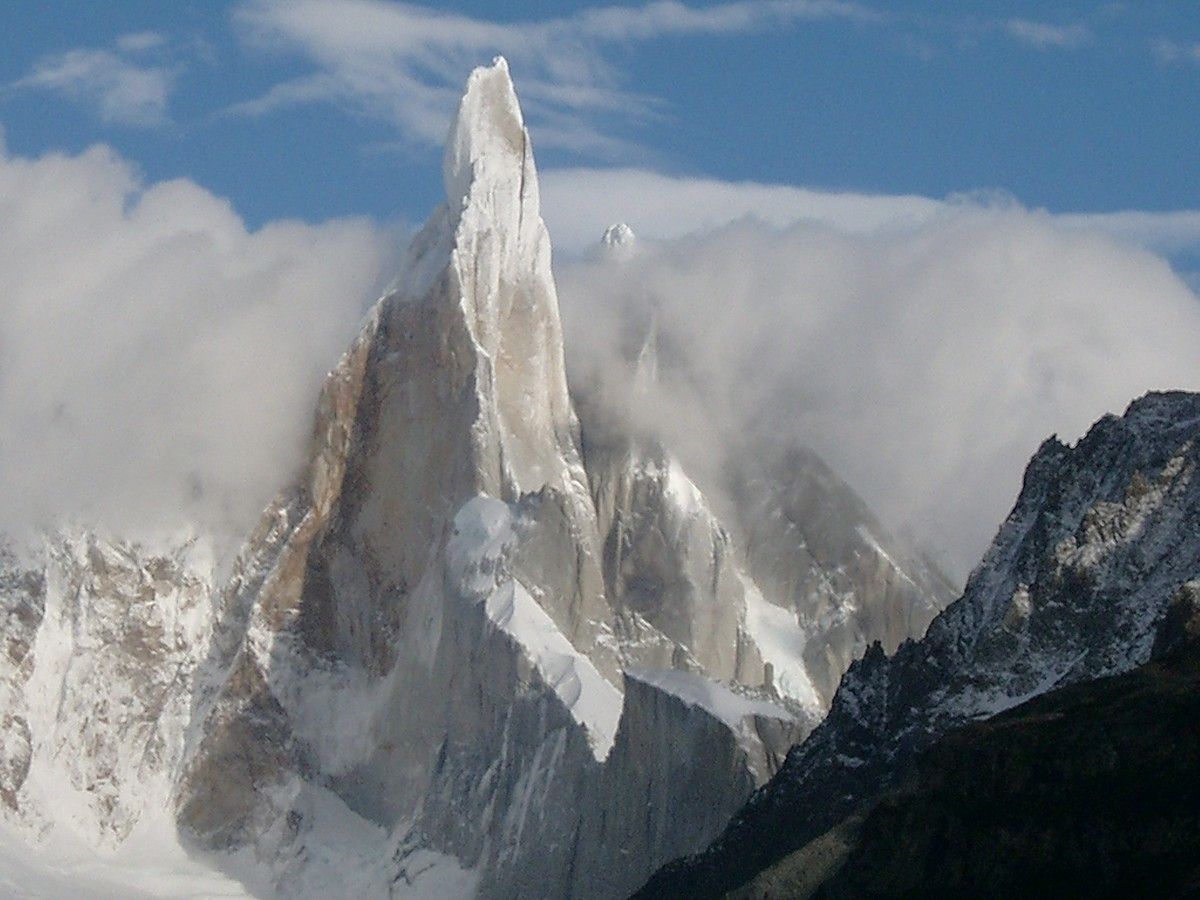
{"x": 140, "y": 41}
{"x": 1170, "y": 51}
{"x": 120, "y": 84}
{"x": 1046, "y": 36}
{"x": 404, "y": 64}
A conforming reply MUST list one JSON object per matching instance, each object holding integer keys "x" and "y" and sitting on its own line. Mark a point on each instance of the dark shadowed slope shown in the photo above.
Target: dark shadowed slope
{"x": 1089, "y": 790}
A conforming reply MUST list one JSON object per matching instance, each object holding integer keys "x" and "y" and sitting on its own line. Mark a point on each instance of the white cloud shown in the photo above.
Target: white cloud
{"x": 1045, "y": 36}
{"x": 1168, "y": 233}
{"x": 160, "y": 362}
{"x": 925, "y": 363}
{"x": 119, "y": 89}
{"x": 403, "y": 63}
{"x": 665, "y": 17}
{"x": 140, "y": 41}
{"x": 579, "y": 203}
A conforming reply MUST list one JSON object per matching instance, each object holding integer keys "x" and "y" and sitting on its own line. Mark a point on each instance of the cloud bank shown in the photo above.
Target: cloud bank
{"x": 925, "y": 363}
{"x": 159, "y": 363}
{"x": 579, "y": 203}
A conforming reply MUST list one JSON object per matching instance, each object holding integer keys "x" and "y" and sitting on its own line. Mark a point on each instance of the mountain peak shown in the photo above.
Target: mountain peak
{"x": 488, "y": 134}
{"x": 618, "y": 235}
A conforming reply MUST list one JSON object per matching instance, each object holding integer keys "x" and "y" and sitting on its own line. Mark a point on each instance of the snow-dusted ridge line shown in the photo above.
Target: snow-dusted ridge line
{"x": 711, "y": 696}
{"x": 1100, "y": 543}
{"x": 592, "y": 701}
{"x": 485, "y": 532}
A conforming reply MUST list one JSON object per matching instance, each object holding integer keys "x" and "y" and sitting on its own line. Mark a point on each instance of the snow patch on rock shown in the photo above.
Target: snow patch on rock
{"x": 780, "y": 640}
{"x": 591, "y": 699}
{"x": 485, "y": 532}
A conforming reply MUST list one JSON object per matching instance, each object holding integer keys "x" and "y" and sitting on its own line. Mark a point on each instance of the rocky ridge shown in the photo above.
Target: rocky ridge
{"x": 1079, "y": 577}
{"x": 1088, "y": 789}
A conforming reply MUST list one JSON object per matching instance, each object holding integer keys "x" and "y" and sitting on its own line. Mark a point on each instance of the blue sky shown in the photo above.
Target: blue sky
{"x": 1067, "y": 106}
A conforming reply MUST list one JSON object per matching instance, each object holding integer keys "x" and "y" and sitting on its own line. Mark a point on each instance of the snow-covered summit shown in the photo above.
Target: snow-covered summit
{"x": 618, "y": 241}
{"x": 433, "y": 646}
{"x": 488, "y": 135}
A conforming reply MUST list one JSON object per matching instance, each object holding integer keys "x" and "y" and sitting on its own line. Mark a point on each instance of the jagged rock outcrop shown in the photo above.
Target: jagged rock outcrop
{"x": 1101, "y": 539}
{"x": 669, "y": 562}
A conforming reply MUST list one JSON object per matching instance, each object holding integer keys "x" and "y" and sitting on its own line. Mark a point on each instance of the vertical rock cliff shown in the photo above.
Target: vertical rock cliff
{"x": 422, "y": 637}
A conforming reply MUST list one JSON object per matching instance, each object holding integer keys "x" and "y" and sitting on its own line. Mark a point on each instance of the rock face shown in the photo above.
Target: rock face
{"x": 103, "y": 641}
{"x": 670, "y": 564}
{"x": 1073, "y": 589}
{"x": 473, "y": 649}
{"x": 815, "y": 547}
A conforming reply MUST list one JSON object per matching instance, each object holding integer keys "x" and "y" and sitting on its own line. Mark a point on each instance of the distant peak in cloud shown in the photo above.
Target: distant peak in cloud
{"x": 925, "y": 363}
{"x": 579, "y": 203}
{"x": 618, "y": 241}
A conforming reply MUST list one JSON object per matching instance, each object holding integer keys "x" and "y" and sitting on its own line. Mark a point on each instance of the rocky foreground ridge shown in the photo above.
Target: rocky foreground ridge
{"x": 1089, "y": 790}
{"x": 1103, "y": 541}
{"x": 473, "y": 650}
